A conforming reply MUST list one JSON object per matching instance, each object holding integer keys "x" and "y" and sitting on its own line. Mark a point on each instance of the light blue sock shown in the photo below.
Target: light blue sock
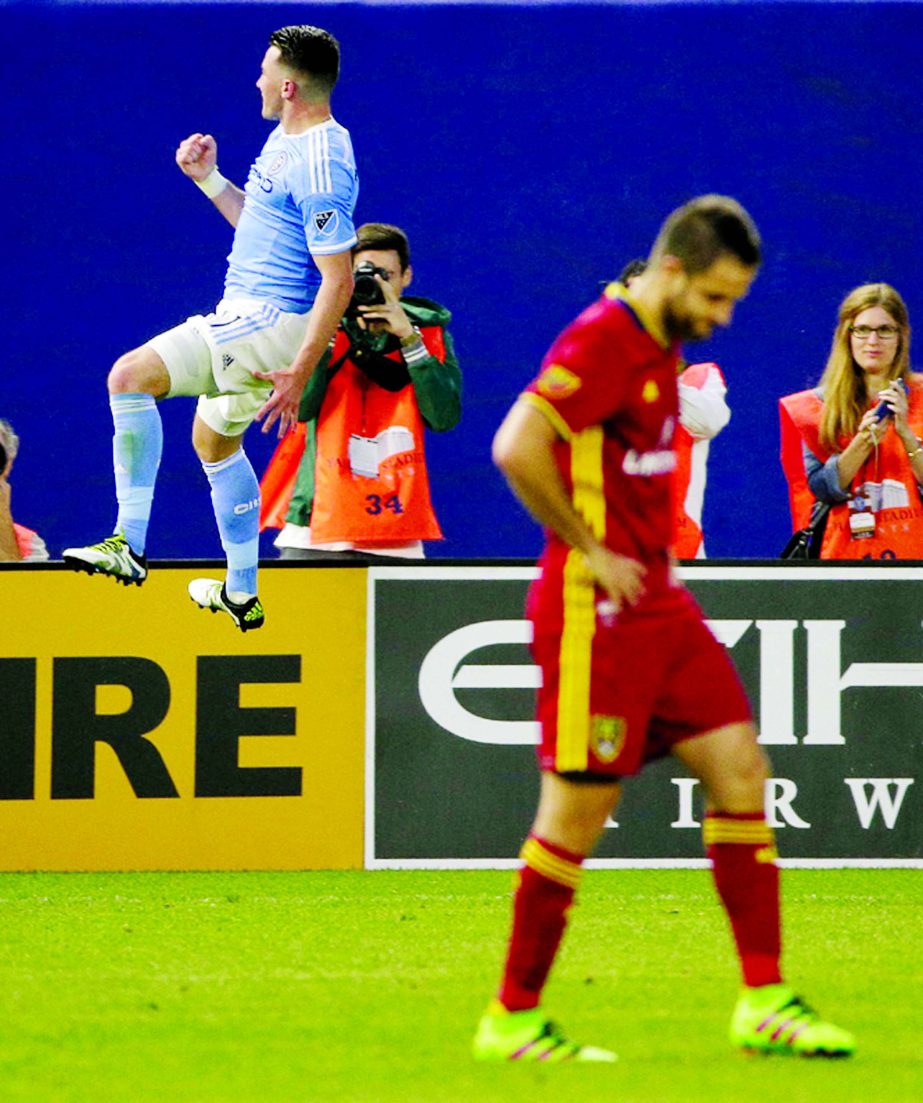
{"x": 236, "y": 499}
{"x": 136, "y": 448}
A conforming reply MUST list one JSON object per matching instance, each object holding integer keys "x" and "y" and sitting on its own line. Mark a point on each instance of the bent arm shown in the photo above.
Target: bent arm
{"x": 823, "y": 478}
{"x": 230, "y": 202}
{"x": 854, "y": 455}
{"x": 330, "y": 305}
{"x": 288, "y": 384}
{"x": 197, "y": 158}
{"x": 703, "y": 411}
{"x": 437, "y": 386}
{"x": 523, "y": 449}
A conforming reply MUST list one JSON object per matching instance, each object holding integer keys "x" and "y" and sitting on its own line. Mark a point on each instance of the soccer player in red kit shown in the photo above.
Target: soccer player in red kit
{"x": 630, "y": 670}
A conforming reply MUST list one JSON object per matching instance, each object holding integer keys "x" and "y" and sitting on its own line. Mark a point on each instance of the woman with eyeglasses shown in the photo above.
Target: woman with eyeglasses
{"x": 854, "y": 441}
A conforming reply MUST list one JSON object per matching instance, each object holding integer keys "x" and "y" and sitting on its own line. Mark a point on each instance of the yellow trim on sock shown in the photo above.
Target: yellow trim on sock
{"x": 549, "y": 865}
{"x": 749, "y": 832}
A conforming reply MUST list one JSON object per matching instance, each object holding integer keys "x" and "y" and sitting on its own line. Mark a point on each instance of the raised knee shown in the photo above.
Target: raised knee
{"x": 138, "y": 372}
{"x": 124, "y": 375}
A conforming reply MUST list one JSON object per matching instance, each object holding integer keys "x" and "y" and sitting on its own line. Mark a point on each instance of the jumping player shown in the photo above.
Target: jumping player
{"x": 630, "y": 670}
{"x": 289, "y": 279}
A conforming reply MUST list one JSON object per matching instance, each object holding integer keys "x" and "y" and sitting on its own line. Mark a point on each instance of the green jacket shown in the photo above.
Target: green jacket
{"x": 437, "y": 388}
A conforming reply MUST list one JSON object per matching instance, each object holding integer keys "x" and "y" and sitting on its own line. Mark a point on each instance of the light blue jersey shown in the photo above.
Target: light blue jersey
{"x": 301, "y": 193}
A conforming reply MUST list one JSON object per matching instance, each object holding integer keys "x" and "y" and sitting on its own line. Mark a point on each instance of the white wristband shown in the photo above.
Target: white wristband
{"x": 213, "y": 184}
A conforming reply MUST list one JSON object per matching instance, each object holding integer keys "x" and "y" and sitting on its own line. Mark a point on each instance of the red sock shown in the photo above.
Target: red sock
{"x": 547, "y": 883}
{"x": 743, "y": 854}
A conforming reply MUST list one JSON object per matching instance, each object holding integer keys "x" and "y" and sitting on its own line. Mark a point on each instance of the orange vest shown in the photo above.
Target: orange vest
{"x": 278, "y": 482}
{"x": 687, "y": 534}
{"x": 691, "y": 458}
{"x": 29, "y": 542}
{"x": 370, "y": 479}
{"x": 898, "y": 529}
{"x": 411, "y": 509}
{"x": 799, "y": 420}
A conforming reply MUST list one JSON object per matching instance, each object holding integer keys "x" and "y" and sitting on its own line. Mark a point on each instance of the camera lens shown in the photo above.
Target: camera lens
{"x": 366, "y": 289}
{"x": 367, "y": 292}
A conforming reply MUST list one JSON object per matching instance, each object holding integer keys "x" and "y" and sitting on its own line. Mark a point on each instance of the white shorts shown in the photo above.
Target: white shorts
{"x": 213, "y": 355}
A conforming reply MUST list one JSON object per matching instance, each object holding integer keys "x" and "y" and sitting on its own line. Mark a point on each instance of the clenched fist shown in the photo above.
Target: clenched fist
{"x": 197, "y": 155}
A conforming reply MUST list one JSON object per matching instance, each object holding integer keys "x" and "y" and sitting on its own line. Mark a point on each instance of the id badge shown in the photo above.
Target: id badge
{"x": 363, "y": 456}
{"x": 861, "y": 519}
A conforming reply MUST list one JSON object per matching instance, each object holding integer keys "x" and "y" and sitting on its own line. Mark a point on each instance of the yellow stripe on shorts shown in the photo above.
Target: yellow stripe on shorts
{"x": 573, "y": 720}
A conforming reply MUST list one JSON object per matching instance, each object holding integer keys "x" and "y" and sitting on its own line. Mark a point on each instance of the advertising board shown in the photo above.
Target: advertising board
{"x": 832, "y": 658}
{"x": 139, "y": 732}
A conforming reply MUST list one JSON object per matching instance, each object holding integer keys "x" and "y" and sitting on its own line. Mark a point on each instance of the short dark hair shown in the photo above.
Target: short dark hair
{"x": 311, "y": 51}
{"x": 381, "y": 235}
{"x": 705, "y": 228}
{"x": 632, "y": 268}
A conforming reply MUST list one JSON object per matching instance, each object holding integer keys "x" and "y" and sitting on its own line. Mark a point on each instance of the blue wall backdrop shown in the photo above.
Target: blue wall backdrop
{"x": 527, "y": 150}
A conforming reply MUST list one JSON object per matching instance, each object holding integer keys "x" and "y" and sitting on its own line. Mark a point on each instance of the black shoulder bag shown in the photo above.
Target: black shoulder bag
{"x": 806, "y": 542}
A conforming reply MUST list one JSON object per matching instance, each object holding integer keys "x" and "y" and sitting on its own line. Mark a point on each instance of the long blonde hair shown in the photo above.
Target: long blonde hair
{"x": 846, "y": 396}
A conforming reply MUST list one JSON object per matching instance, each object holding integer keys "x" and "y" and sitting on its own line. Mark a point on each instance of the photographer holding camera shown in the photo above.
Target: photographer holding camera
{"x": 17, "y": 543}
{"x": 352, "y": 478}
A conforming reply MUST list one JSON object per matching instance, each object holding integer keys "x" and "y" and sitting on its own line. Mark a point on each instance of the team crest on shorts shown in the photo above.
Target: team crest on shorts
{"x": 326, "y": 222}
{"x": 556, "y": 381}
{"x": 607, "y": 736}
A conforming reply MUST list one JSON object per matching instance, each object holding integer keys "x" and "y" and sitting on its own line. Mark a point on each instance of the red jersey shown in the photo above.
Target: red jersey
{"x": 608, "y": 385}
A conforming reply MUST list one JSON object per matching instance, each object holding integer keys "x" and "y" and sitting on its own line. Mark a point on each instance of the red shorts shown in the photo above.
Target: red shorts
{"x": 620, "y": 693}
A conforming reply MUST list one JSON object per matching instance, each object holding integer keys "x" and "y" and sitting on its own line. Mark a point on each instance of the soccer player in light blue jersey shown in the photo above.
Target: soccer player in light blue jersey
{"x": 288, "y": 283}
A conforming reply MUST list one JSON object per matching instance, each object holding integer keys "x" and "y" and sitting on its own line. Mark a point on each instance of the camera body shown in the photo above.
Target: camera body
{"x": 3, "y": 458}
{"x": 366, "y": 289}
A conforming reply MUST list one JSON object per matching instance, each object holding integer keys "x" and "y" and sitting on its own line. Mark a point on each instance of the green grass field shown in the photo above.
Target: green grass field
{"x": 365, "y": 988}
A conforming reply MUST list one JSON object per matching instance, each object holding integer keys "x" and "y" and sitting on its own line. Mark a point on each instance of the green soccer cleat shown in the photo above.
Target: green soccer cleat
{"x": 209, "y": 593}
{"x": 528, "y": 1036}
{"x": 772, "y": 1019}
{"x": 112, "y": 556}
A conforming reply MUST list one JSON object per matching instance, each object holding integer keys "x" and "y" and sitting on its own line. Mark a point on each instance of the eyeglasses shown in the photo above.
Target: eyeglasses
{"x": 886, "y": 333}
